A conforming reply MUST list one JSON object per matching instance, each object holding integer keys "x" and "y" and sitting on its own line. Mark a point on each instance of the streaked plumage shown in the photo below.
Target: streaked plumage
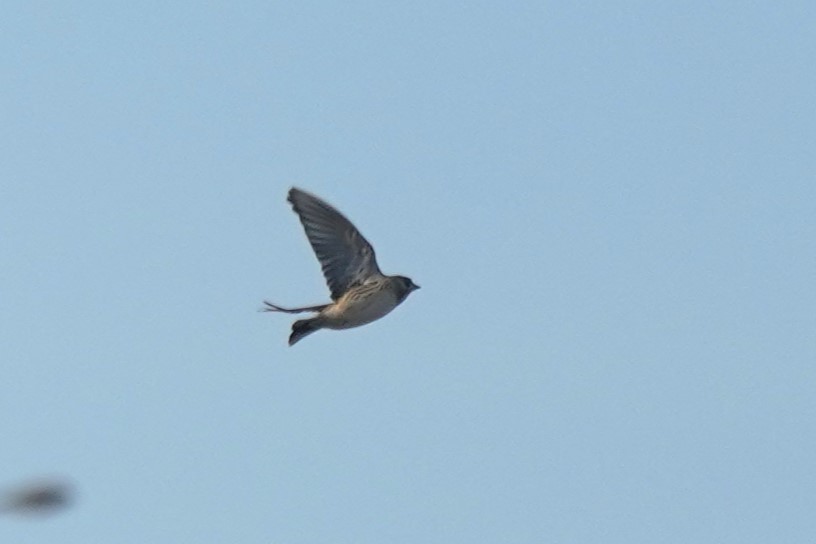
{"x": 360, "y": 292}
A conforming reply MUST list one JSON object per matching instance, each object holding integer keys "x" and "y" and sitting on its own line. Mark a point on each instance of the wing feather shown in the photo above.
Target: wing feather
{"x": 346, "y": 257}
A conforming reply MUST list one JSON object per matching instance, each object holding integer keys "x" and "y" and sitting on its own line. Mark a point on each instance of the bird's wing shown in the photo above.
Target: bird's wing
{"x": 346, "y": 258}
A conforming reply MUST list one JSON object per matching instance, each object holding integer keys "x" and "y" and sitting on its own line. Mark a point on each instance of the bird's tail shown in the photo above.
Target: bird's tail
{"x": 303, "y": 327}
{"x": 269, "y": 307}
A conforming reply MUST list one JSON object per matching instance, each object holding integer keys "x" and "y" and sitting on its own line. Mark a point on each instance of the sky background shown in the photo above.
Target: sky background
{"x": 610, "y": 207}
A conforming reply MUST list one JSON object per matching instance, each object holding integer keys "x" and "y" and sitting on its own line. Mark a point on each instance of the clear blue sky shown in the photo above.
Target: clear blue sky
{"x": 610, "y": 207}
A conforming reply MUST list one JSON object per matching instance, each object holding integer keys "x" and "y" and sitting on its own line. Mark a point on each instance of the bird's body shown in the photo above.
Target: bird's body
{"x": 362, "y": 305}
{"x": 360, "y": 292}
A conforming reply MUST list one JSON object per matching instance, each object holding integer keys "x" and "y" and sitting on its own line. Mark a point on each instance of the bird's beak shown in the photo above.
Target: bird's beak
{"x": 415, "y": 287}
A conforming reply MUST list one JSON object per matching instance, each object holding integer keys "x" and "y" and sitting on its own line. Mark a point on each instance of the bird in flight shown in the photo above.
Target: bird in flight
{"x": 360, "y": 292}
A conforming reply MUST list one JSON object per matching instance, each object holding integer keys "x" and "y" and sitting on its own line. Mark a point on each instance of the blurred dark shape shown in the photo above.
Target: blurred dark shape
{"x": 42, "y": 497}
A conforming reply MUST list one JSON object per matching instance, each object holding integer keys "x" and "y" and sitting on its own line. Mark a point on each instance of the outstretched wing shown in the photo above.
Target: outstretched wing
{"x": 346, "y": 258}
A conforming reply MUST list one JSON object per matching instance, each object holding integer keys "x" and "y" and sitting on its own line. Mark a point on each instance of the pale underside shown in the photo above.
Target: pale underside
{"x": 353, "y": 311}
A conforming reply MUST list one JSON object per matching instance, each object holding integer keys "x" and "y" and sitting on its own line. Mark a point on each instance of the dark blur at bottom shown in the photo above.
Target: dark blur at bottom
{"x": 37, "y": 498}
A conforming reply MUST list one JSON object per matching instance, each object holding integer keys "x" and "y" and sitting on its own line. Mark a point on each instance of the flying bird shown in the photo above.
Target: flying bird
{"x": 360, "y": 292}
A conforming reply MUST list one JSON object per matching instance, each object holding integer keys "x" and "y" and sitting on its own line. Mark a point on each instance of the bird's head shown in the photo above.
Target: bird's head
{"x": 406, "y": 286}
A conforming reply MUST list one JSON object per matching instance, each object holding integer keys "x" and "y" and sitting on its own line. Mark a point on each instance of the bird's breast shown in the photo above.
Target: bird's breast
{"x": 357, "y": 308}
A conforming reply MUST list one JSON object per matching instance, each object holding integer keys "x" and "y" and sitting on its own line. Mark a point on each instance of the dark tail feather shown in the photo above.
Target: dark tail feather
{"x": 275, "y": 308}
{"x": 301, "y": 328}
